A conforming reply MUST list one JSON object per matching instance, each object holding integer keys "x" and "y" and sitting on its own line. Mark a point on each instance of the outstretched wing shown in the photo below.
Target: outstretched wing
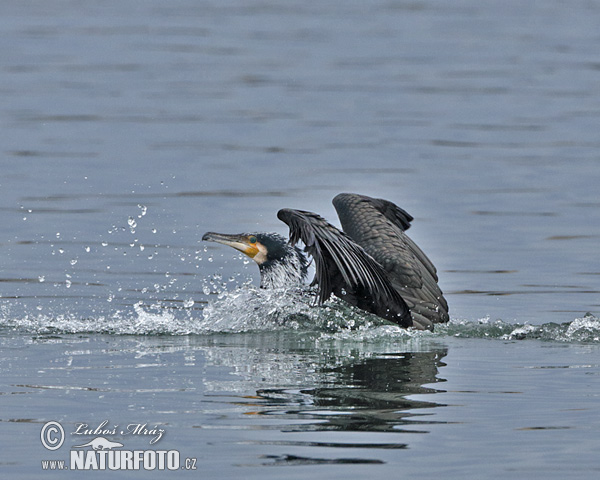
{"x": 344, "y": 268}
{"x": 378, "y": 226}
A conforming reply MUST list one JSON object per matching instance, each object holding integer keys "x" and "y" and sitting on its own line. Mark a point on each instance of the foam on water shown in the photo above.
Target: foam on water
{"x": 137, "y": 322}
{"x": 584, "y": 329}
{"x": 251, "y": 309}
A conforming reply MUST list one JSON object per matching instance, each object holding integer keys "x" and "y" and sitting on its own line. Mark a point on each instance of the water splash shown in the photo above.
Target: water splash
{"x": 250, "y": 309}
{"x": 138, "y": 322}
{"x": 226, "y": 314}
{"x": 585, "y": 329}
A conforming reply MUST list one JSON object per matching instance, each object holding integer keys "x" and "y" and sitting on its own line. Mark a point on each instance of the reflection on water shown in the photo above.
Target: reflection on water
{"x": 299, "y": 385}
{"x": 298, "y": 399}
{"x": 367, "y": 395}
{"x": 372, "y": 396}
{"x": 341, "y": 389}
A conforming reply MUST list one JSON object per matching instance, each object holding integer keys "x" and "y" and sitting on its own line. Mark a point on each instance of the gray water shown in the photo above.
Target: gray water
{"x": 131, "y": 128}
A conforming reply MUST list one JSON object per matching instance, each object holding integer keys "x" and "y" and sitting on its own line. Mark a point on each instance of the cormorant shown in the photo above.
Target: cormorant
{"x": 372, "y": 264}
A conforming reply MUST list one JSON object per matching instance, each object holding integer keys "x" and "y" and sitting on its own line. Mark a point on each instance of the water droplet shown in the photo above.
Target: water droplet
{"x": 143, "y": 210}
{"x": 68, "y": 283}
{"x": 206, "y": 290}
{"x": 153, "y": 230}
{"x": 60, "y": 250}
{"x": 188, "y": 303}
{"x": 87, "y": 249}
{"x": 57, "y": 234}
{"x": 142, "y": 248}
{"x": 41, "y": 279}
{"x": 73, "y": 261}
{"x": 104, "y": 244}
{"x": 132, "y": 224}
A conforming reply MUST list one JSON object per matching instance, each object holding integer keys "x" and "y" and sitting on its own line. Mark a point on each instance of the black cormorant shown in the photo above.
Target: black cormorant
{"x": 372, "y": 264}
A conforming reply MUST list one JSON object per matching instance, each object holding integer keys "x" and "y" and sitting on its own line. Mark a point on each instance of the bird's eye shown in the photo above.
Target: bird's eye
{"x": 252, "y": 239}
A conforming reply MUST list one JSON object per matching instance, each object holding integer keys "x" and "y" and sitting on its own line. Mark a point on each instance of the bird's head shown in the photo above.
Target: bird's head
{"x": 278, "y": 261}
{"x": 258, "y": 246}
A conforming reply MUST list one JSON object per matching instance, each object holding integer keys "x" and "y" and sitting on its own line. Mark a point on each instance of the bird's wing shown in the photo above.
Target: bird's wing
{"x": 344, "y": 268}
{"x": 378, "y": 226}
{"x": 398, "y": 216}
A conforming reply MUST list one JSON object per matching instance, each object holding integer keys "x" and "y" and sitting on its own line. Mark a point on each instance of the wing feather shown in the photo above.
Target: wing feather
{"x": 379, "y": 227}
{"x": 344, "y": 268}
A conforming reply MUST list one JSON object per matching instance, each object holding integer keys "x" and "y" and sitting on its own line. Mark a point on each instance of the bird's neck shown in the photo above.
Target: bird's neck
{"x": 279, "y": 274}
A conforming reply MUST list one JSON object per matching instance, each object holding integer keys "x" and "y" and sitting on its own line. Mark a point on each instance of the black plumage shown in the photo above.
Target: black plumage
{"x": 379, "y": 227}
{"x": 344, "y": 269}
